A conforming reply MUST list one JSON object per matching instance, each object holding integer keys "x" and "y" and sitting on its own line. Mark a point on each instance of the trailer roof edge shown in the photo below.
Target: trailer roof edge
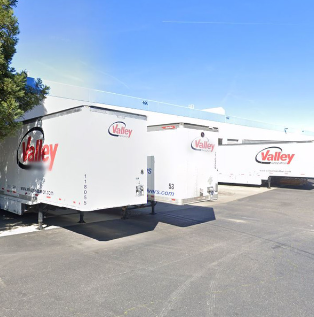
{"x": 80, "y": 108}
{"x": 169, "y": 126}
{"x": 267, "y": 143}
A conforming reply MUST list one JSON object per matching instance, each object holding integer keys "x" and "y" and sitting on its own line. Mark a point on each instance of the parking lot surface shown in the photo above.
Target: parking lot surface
{"x": 248, "y": 254}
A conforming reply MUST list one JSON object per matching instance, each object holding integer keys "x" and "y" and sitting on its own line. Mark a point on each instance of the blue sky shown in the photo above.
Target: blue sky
{"x": 254, "y": 58}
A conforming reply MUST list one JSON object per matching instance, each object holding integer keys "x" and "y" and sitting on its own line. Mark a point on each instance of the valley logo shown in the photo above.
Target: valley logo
{"x": 273, "y": 155}
{"x": 202, "y": 144}
{"x": 118, "y": 129}
{"x": 32, "y": 153}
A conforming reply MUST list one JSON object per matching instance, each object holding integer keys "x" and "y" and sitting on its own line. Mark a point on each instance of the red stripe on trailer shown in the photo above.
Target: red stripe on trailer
{"x": 48, "y": 197}
{"x": 169, "y": 127}
{"x": 173, "y": 199}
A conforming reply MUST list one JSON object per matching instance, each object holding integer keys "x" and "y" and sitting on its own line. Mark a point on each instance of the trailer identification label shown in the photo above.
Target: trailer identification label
{"x": 202, "y": 144}
{"x": 118, "y": 129}
{"x": 273, "y": 155}
{"x": 32, "y": 152}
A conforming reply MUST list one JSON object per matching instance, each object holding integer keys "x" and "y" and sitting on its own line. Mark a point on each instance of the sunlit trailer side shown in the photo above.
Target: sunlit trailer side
{"x": 85, "y": 158}
{"x": 254, "y": 163}
{"x": 182, "y": 163}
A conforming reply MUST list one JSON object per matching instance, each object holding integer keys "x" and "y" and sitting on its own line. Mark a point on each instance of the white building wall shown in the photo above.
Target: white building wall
{"x": 231, "y": 132}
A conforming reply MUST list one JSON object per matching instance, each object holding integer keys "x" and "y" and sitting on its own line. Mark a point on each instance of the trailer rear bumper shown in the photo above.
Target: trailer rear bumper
{"x": 14, "y": 205}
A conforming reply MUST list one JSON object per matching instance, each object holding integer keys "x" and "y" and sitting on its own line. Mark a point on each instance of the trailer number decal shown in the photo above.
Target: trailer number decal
{"x": 273, "y": 155}
{"x": 32, "y": 153}
{"x": 85, "y": 190}
{"x": 118, "y": 129}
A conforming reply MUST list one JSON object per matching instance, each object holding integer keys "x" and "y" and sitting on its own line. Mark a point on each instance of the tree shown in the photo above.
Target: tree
{"x": 16, "y": 97}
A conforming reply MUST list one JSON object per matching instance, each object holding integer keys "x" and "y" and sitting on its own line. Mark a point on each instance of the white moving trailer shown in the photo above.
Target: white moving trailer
{"x": 255, "y": 163}
{"x": 182, "y": 163}
{"x": 85, "y": 158}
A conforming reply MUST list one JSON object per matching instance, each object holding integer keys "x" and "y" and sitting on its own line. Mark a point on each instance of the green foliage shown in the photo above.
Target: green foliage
{"x": 16, "y": 97}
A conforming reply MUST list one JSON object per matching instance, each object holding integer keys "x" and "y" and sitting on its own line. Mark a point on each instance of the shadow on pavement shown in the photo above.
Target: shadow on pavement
{"x": 293, "y": 183}
{"x": 10, "y": 220}
{"x": 280, "y": 182}
{"x": 107, "y": 225}
{"x": 142, "y": 221}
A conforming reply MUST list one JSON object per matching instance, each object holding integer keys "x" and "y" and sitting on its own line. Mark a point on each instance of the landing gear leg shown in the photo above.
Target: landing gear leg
{"x": 81, "y": 217}
{"x": 269, "y": 182}
{"x": 40, "y": 219}
{"x": 153, "y": 204}
{"x": 42, "y": 209}
{"x": 124, "y": 213}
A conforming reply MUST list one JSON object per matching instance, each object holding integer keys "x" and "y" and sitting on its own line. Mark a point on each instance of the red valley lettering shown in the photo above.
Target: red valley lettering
{"x": 121, "y": 131}
{"x": 204, "y": 145}
{"x": 39, "y": 152}
{"x": 276, "y": 157}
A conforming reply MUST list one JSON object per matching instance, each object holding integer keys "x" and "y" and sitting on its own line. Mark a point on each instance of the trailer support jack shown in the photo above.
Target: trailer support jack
{"x": 40, "y": 219}
{"x": 127, "y": 209}
{"x": 153, "y": 204}
{"x": 81, "y": 217}
{"x": 269, "y": 182}
{"x": 41, "y": 213}
{"x": 125, "y": 213}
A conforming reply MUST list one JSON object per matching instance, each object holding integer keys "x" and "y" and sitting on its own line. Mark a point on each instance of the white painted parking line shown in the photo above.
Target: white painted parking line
{"x": 233, "y": 220}
{"x": 24, "y": 229}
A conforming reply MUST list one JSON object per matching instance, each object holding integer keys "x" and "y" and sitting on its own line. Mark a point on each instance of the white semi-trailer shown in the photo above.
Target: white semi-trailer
{"x": 255, "y": 163}
{"x": 182, "y": 163}
{"x": 85, "y": 158}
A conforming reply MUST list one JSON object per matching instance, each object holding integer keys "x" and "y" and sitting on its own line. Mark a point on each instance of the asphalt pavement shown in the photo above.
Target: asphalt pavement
{"x": 248, "y": 254}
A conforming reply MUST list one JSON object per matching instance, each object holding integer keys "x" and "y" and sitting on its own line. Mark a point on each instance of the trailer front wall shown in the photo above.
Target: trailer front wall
{"x": 179, "y": 170}
{"x": 117, "y": 169}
